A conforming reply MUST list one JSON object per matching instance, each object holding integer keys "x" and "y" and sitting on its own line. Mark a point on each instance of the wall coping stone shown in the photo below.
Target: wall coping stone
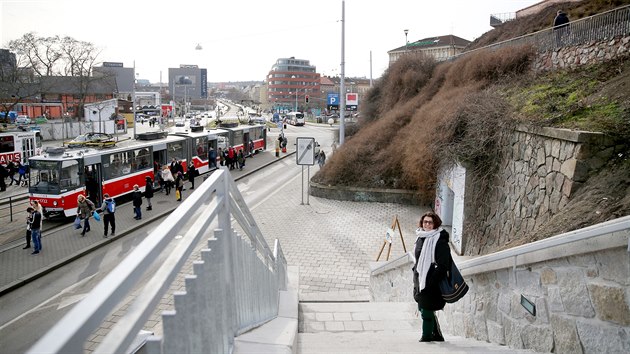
{"x": 576, "y": 136}
{"x": 360, "y": 194}
{"x": 610, "y": 234}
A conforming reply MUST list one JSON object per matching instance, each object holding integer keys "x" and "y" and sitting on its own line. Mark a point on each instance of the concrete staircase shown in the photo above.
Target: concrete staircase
{"x": 374, "y": 327}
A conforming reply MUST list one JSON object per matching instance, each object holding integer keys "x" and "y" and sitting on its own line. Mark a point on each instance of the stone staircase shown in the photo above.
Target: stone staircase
{"x": 374, "y": 327}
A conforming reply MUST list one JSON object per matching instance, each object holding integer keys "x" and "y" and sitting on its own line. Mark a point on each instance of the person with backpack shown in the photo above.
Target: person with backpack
{"x": 85, "y": 209}
{"x": 148, "y": 192}
{"x": 108, "y": 208}
{"x": 137, "y": 202}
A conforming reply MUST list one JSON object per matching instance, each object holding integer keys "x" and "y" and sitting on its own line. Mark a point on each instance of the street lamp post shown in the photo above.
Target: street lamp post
{"x": 296, "y": 95}
{"x": 406, "y": 41}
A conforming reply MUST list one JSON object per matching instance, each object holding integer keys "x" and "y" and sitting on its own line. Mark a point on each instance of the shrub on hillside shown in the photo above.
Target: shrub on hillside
{"x": 417, "y": 128}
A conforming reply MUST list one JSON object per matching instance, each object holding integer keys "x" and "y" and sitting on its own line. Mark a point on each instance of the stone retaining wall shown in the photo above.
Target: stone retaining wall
{"x": 586, "y": 54}
{"x": 355, "y": 194}
{"x": 582, "y": 305}
{"x": 542, "y": 168}
{"x": 580, "y": 288}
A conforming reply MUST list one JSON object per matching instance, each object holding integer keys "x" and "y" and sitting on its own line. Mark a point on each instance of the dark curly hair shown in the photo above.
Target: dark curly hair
{"x": 437, "y": 222}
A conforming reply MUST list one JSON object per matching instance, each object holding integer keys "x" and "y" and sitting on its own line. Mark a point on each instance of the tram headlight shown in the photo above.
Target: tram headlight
{"x": 54, "y": 203}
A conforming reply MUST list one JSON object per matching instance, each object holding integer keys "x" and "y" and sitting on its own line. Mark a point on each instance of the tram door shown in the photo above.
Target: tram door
{"x": 93, "y": 177}
{"x": 246, "y": 144}
{"x": 159, "y": 160}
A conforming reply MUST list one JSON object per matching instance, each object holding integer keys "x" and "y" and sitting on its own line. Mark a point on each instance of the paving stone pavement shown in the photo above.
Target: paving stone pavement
{"x": 333, "y": 241}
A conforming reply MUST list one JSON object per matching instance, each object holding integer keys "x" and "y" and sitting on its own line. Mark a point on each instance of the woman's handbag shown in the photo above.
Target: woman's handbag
{"x": 452, "y": 286}
{"x": 178, "y": 195}
{"x": 77, "y": 222}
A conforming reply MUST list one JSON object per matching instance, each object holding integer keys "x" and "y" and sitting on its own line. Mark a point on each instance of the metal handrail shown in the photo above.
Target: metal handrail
{"x": 595, "y": 28}
{"x": 235, "y": 286}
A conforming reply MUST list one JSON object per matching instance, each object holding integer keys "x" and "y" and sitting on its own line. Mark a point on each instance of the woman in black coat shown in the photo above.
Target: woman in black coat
{"x": 148, "y": 192}
{"x": 433, "y": 257}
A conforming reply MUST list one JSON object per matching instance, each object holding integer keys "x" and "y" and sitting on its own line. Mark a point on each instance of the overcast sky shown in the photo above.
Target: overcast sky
{"x": 242, "y": 39}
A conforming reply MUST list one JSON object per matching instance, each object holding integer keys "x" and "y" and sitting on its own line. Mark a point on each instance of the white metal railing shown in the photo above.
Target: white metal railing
{"x": 234, "y": 287}
{"x": 604, "y": 26}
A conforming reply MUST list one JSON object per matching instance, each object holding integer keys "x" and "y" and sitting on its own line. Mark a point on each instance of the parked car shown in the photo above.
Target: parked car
{"x": 22, "y": 120}
{"x": 91, "y": 138}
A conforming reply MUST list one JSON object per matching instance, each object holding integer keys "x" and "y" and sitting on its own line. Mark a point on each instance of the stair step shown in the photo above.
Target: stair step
{"x": 391, "y": 342}
{"x": 357, "y": 317}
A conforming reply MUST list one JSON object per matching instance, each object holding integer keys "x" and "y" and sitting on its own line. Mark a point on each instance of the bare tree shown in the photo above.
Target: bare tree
{"x": 46, "y": 57}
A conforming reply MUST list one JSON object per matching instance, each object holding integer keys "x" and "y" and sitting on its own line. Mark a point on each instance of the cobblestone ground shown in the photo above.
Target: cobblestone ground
{"x": 333, "y": 241}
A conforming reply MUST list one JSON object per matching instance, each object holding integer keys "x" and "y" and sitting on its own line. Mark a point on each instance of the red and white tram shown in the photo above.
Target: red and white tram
{"x": 19, "y": 146}
{"x": 239, "y": 137}
{"x": 58, "y": 176}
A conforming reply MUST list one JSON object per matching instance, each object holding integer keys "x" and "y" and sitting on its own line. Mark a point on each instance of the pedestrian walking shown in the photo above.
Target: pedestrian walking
{"x": 561, "y": 27}
{"x": 240, "y": 158}
{"x": 221, "y": 157}
{"x": 212, "y": 157}
{"x": 12, "y": 171}
{"x": 167, "y": 176}
{"x": 433, "y": 259}
{"x": 108, "y": 208}
{"x": 137, "y": 202}
{"x": 22, "y": 180}
{"x": 3, "y": 174}
{"x": 84, "y": 210}
{"x": 29, "y": 221}
{"x": 179, "y": 186}
{"x": 192, "y": 173}
{"x": 251, "y": 148}
{"x": 148, "y": 192}
{"x": 321, "y": 158}
{"x": 36, "y": 231}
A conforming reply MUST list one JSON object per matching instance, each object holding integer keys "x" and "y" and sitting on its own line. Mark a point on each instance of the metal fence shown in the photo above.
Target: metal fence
{"x": 235, "y": 285}
{"x": 596, "y": 28}
{"x": 15, "y": 204}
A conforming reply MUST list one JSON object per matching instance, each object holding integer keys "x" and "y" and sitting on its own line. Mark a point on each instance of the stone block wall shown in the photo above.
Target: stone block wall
{"x": 541, "y": 169}
{"x": 579, "y": 283}
{"x": 586, "y": 54}
{"x": 582, "y": 305}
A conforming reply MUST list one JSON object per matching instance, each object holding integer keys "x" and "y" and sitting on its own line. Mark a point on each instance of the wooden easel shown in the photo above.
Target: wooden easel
{"x": 388, "y": 239}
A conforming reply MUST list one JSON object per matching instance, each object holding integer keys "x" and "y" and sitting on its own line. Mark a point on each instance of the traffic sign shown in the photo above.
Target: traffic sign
{"x": 305, "y": 151}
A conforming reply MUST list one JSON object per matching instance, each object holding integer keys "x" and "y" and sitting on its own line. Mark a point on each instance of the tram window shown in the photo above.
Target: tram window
{"x": 201, "y": 147}
{"x": 119, "y": 164}
{"x": 237, "y": 137}
{"x": 176, "y": 150}
{"x": 7, "y": 144}
{"x": 141, "y": 161}
{"x": 69, "y": 174}
{"x": 44, "y": 176}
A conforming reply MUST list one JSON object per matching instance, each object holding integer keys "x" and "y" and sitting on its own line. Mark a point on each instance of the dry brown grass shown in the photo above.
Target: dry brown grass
{"x": 424, "y": 116}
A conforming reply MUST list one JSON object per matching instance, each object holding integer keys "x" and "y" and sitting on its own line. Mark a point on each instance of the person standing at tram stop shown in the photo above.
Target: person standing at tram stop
{"x": 36, "y": 229}
{"x": 137, "y": 202}
{"x": 167, "y": 176}
{"x": 108, "y": 208}
{"x": 433, "y": 258}
{"x": 29, "y": 222}
{"x": 179, "y": 185}
{"x": 84, "y": 210}
{"x": 192, "y": 173}
{"x": 148, "y": 192}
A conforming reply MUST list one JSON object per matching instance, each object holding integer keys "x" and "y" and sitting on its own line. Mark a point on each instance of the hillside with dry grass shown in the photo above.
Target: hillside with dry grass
{"x": 422, "y": 115}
